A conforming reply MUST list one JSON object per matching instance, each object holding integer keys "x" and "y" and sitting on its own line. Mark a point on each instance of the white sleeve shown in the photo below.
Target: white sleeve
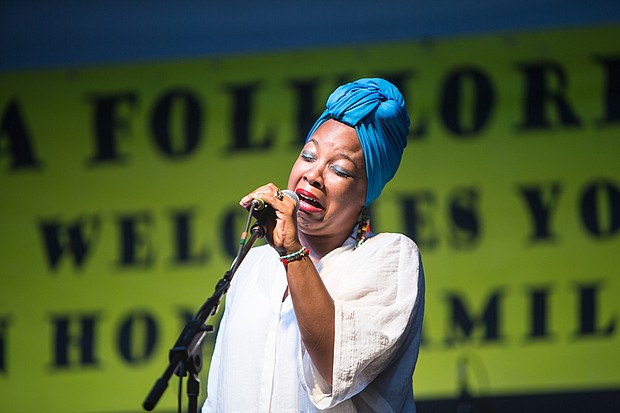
{"x": 374, "y": 289}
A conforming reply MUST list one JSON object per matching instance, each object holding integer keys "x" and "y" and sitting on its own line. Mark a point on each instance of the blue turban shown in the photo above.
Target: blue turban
{"x": 376, "y": 109}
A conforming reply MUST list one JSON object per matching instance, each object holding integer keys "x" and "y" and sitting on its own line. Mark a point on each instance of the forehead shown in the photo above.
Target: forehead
{"x": 338, "y": 138}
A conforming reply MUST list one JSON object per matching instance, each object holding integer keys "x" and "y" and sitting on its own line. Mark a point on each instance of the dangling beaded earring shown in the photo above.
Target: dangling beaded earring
{"x": 363, "y": 227}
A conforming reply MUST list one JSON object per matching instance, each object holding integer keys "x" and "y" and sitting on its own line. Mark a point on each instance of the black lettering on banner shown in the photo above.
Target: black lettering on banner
{"x": 545, "y": 84}
{"x": 111, "y": 121}
{"x": 74, "y": 338}
{"x": 185, "y": 254}
{"x": 137, "y": 338}
{"x": 600, "y": 209}
{"x": 305, "y": 92}
{"x": 183, "y": 109}
{"x": 419, "y": 123}
{"x": 539, "y": 312}
{"x": 589, "y": 318}
{"x": 542, "y": 201}
{"x": 611, "y": 89}
{"x": 4, "y": 339}
{"x": 466, "y": 88}
{"x": 418, "y": 219}
{"x": 18, "y": 147}
{"x": 242, "y": 116}
{"x": 74, "y": 238}
{"x": 465, "y": 223}
{"x": 463, "y": 323}
{"x": 135, "y": 247}
{"x": 398, "y": 79}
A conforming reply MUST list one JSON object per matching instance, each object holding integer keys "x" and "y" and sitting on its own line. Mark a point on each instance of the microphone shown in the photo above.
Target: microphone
{"x": 261, "y": 211}
{"x": 259, "y": 205}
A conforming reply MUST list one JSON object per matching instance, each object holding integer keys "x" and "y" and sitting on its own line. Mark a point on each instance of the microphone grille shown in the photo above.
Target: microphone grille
{"x": 293, "y": 196}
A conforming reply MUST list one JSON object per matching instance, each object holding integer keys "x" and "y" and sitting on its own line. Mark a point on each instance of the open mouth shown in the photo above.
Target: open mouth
{"x": 307, "y": 202}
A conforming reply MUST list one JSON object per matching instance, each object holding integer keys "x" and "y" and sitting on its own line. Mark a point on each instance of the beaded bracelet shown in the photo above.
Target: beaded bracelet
{"x": 297, "y": 255}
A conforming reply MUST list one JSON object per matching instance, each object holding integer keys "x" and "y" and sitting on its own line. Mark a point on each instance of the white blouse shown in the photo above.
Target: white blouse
{"x": 260, "y": 365}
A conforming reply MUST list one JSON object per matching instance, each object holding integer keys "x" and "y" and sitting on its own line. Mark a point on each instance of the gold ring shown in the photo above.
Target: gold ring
{"x": 279, "y": 195}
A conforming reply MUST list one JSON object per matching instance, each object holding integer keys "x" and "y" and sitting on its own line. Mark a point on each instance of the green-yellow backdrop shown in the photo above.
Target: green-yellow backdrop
{"x": 118, "y": 208}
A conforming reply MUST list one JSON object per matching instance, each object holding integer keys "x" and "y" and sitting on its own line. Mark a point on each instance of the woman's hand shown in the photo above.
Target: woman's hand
{"x": 280, "y": 219}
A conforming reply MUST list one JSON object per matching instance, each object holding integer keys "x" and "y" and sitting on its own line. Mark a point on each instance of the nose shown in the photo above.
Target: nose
{"x": 314, "y": 176}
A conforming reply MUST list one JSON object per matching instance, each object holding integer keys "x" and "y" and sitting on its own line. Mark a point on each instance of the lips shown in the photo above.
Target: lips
{"x": 307, "y": 202}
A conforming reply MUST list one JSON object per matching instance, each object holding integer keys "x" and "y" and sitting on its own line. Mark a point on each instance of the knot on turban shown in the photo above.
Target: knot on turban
{"x": 376, "y": 109}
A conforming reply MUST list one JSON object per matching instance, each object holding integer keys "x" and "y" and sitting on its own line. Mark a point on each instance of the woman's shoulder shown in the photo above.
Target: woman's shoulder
{"x": 392, "y": 240}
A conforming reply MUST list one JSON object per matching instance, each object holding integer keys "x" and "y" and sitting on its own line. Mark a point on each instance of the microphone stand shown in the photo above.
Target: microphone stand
{"x": 186, "y": 355}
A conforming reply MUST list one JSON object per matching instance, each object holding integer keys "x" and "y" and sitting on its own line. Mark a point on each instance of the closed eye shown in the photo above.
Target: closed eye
{"x": 308, "y": 156}
{"x": 341, "y": 172}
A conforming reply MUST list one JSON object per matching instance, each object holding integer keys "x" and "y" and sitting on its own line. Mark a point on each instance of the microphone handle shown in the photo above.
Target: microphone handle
{"x": 258, "y": 204}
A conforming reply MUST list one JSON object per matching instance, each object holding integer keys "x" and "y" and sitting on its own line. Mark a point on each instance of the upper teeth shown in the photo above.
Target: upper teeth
{"x": 311, "y": 200}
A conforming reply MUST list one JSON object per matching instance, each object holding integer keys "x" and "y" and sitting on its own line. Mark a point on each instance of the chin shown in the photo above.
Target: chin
{"x": 308, "y": 227}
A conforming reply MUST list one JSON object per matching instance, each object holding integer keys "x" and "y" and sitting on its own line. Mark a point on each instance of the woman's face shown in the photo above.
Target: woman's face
{"x": 330, "y": 179}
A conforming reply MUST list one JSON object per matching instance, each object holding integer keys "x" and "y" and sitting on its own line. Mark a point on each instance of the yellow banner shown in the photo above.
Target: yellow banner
{"x": 119, "y": 191}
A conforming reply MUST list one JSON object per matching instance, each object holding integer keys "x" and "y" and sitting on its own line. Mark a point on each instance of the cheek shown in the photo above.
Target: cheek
{"x": 348, "y": 210}
{"x": 294, "y": 176}
{"x": 356, "y": 192}
{"x": 352, "y": 197}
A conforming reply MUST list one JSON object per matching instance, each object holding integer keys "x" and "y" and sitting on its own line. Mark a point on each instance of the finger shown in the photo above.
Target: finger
{"x": 264, "y": 192}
